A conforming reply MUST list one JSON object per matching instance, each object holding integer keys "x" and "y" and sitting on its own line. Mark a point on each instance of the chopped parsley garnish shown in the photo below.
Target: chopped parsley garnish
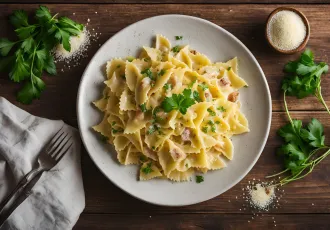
{"x": 162, "y": 72}
{"x": 113, "y": 123}
{"x": 143, "y": 158}
{"x": 246, "y": 86}
{"x": 229, "y": 68}
{"x": 217, "y": 122}
{"x": 152, "y": 128}
{"x": 196, "y": 96}
{"x": 147, "y": 169}
{"x": 114, "y": 131}
{"x": 178, "y": 37}
{"x": 143, "y": 107}
{"x": 179, "y": 102}
{"x": 147, "y": 73}
{"x": 130, "y": 59}
{"x": 211, "y": 112}
{"x": 203, "y": 86}
{"x": 221, "y": 109}
{"x": 204, "y": 129}
{"x": 213, "y": 128}
{"x": 199, "y": 179}
{"x": 107, "y": 97}
{"x": 118, "y": 66}
{"x": 186, "y": 165}
{"x": 104, "y": 138}
{"x": 176, "y": 49}
{"x": 146, "y": 59}
{"x": 153, "y": 147}
{"x": 191, "y": 84}
{"x": 167, "y": 86}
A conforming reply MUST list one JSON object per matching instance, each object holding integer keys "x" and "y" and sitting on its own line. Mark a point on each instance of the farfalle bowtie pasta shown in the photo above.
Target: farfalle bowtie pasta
{"x": 171, "y": 111}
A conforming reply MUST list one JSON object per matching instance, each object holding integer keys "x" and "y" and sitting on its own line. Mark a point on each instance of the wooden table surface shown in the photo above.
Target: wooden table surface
{"x": 305, "y": 204}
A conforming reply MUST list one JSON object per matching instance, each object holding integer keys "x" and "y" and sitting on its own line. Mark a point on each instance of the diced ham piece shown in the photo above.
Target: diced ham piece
{"x": 193, "y": 52}
{"x": 139, "y": 115}
{"x": 233, "y": 96}
{"x": 186, "y": 134}
{"x": 224, "y": 81}
{"x": 177, "y": 154}
{"x": 208, "y": 95}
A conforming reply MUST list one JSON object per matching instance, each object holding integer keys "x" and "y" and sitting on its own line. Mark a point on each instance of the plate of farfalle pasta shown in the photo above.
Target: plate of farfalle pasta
{"x": 174, "y": 110}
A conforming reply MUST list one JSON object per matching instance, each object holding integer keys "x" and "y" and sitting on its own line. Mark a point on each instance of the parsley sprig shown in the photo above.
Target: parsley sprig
{"x": 179, "y": 102}
{"x": 302, "y": 143}
{"x": 30, "y": 54}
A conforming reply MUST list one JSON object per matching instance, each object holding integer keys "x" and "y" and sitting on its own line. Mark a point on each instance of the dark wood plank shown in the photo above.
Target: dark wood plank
{"x": 171, "y": 1}
{"x": 202, "y": 221}
{"x": 310, "y": 195}
{"x": 247, "y": 23}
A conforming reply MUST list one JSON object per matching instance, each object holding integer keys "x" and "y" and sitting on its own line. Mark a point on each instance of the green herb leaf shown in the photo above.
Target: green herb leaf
{"x": 178, "y": 37}
{"x": 19, "y": 19}
{"x": 199, "y": 179}
{"x": 147, "y": 169}
{"x": 211, "y": 112}
{"x": 314, "y": 135}
{"x": 162, "y": 72}
{"x": 147, "y": 73}
{"x": 143, "y": 107}
{"x": 176, "y": 49}
{"x": 229, "y": 68}
{"x": 43, "y": 14}
{"x": 28, "y": 44}
{"x": 179, "y": 102}
{"x": 28, "y": 93}
{"x": 221, "y": 109}
{"x": 203, "y": 86}
{"x": 25, "y": 32}
{"x": 20, "y": 69}
{"x": 5, "y": 46}
{"x": 64, "y": 38}
{"x": 196, "y": 96}
{"x": 191, "y": 84}
{"x": 167, "y": 86}
{"x": 49, "y": 65}
{"x": 204, "y": 129}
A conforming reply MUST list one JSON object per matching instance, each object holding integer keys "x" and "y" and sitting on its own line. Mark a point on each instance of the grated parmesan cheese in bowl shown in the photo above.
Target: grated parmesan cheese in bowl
{"x": 287, "y": 30}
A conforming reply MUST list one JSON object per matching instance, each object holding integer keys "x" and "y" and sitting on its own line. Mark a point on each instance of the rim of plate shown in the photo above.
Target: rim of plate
{"x": 248, "y": 169}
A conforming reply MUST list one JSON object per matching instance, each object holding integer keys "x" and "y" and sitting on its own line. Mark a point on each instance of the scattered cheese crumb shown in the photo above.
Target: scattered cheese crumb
{"x": 261, "y": 196}
{"x": 88, "y": 20}
{"x": 286, "y": 30}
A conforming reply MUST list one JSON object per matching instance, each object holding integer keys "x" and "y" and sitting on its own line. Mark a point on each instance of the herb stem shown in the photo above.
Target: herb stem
{"x": 319, "y": 96}
{"x": 277, "y": 174}
{"x": 286, "y": 109}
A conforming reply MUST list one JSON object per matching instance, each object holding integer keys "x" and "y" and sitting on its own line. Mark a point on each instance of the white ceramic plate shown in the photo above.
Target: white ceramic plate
{"x": 218, "y": 45}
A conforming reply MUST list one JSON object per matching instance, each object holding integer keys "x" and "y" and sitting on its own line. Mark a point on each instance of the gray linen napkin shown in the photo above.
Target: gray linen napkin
{"x": 58, "y": 198}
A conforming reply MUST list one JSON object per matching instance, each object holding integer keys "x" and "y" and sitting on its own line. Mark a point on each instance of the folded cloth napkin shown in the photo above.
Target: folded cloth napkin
{"x": 58, "y": 198}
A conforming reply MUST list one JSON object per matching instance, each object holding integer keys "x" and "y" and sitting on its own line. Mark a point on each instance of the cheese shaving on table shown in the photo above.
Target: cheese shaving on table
{"x": 79, "y": 45}
{"x": 261, "y": 196}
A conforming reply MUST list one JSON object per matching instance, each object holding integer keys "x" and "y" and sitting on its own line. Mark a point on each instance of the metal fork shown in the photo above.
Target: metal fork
{"x": 48, "y": 158}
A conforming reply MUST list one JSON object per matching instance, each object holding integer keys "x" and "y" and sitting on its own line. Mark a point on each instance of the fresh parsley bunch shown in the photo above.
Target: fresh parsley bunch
{"x": 27, "y": 58}
{"x": 302, "y": 144}
{"x": 304, "y": 77}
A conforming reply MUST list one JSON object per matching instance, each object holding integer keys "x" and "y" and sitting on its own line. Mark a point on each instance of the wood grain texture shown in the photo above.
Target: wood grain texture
{"x": 171, "y": 1}
{"x": 305, "y": 204}
{"x": 202, "y": 221}
{"x": 246, "y": 23}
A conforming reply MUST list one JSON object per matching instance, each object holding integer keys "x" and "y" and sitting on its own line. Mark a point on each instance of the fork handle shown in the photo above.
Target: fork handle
{"x": 19, "y": 187}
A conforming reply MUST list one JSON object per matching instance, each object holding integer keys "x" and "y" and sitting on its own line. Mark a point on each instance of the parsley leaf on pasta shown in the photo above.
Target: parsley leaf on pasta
{"x": 179, "y": 102}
